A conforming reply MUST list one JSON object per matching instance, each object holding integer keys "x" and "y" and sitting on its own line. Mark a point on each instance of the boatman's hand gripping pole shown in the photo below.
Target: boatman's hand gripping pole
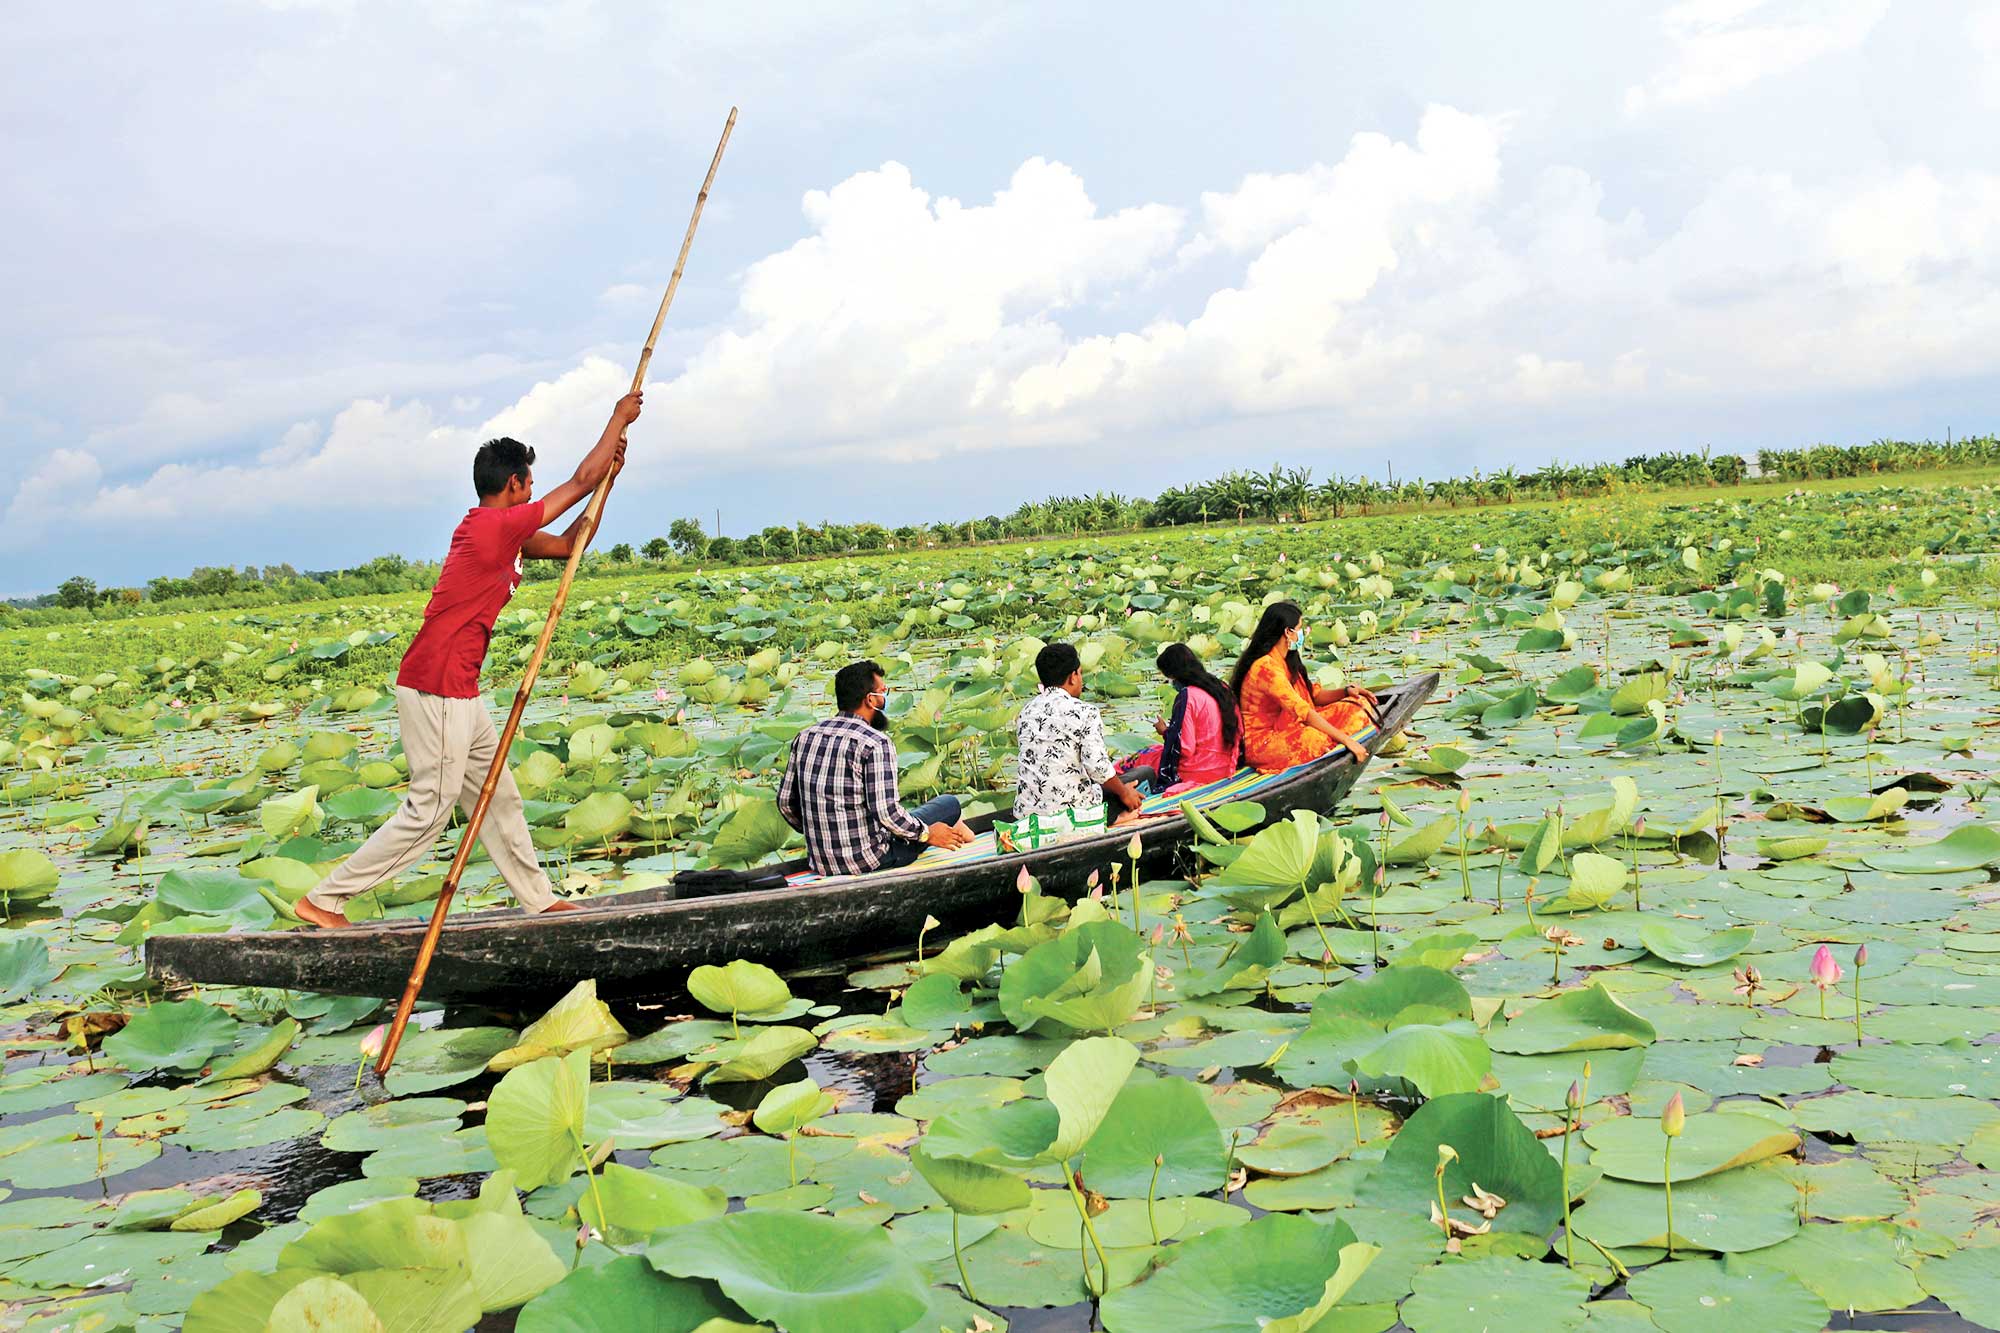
{"x": 592, "y": 511}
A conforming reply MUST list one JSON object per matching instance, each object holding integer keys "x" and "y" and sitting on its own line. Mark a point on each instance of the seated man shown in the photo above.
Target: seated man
{"x": 839, "y": 787}
{"x": 1064, "y": 767}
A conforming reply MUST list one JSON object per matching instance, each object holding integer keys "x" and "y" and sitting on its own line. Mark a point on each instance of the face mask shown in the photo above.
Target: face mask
{"x": 879, "y": 717}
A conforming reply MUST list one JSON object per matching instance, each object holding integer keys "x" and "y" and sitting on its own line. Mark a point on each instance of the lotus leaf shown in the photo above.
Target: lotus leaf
{"x": 1436, "y": 1058}
{"x": 627, "y": 1294}
{"x": 1278, "y": 1274}
{"x": 750, "y": 835}
{"x": 759, "y": 1055}
{"x": 1167, "y": 1118}
{"x": 1628, "y": 1147}
{"x": 1498, "y": 1295}
{"x": 1092, "y": 977}
{"x": 1590, "y": 1019}
{"x": 738, "y": 987}
{"x": 292, "y": 816}
{"x": 182, "y": 1035}
{"x": 578, "y": 1022}
{"x": 802, "y": 1271}
{"x": 1704, "y": 1294}
{"x": 1495, "y": 1150}
{"x": 1673, "y": 942}
{"x": 26, "y": 875}
{"x": 535, "y": 1117}
{"x": 25, "y": 965}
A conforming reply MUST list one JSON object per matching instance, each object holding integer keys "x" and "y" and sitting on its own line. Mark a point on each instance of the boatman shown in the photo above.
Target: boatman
{"x": 448, "y": 736}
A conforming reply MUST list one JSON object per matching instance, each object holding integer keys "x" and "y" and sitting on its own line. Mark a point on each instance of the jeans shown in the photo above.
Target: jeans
{"x": 937, "y": 810}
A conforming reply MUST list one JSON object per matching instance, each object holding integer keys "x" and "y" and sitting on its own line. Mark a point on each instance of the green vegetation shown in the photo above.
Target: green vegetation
{"x": 1411, "y": 1061}
{"x": 1280, "y": 495}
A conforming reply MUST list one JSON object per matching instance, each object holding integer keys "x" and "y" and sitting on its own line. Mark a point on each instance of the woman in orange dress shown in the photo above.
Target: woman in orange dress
{"x": 1287, "y": 719}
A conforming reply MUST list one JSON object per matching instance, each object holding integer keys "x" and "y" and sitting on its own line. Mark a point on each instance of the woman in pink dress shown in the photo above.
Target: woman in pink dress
{"x": 1200, "y": 743}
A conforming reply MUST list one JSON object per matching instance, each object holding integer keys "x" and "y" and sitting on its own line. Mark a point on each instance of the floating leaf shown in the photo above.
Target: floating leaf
{"x": 805, "y": 1272}
{"x": 1278, "y": 1274}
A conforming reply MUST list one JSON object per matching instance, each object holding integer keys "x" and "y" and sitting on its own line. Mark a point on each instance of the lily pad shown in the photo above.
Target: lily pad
{"x": 1700, "y": 1295}
{"x": 1280, "y": 1274}
{"x": 803, "y": 1271}
{"x": 1630, "y": 1147}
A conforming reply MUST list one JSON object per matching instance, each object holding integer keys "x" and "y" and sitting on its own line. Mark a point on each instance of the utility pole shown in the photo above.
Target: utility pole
{"x": 718, "y": 521}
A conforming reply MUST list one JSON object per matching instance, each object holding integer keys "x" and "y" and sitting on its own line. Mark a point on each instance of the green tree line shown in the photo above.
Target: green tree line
{"x": 1279, "y": 494}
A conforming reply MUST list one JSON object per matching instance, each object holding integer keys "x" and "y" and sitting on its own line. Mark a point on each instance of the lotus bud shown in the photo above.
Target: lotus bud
{"x": 1133, "y": 848}
{"x": 371, "y": 1045}
{"x": 1825, "y": 971}
{"x": 1674, "y": 1118}
{"x": 1574, "y": 1101}
{"x": 1718, "y": 738}
{"x": 1464, "y": 801}
{"x": 1861, "y": 955}
{"x": 1025, "y": 883}
{"x": 1639, "y": 827}
{"x": 1354, "y": 1087}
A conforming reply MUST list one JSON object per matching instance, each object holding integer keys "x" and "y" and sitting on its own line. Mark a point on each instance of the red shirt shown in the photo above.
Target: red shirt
{"x": 481, "y": 571}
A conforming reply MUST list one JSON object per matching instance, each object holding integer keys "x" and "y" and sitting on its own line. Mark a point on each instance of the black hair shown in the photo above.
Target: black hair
{"x": 1056, "y": 663}
{"x": 1278, "y": 617}
{"x": 853, "y": 683}
{"x": 499, "y": 462}
{"x": 1178, "y": 664}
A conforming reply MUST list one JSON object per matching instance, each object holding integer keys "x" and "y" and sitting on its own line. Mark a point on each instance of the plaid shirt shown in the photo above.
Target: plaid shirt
{"x": 839, "y": 790}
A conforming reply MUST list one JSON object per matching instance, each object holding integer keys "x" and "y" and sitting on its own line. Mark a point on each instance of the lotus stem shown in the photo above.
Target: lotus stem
{"x": 1464, "y": 874}
{"x": 97, "y": 1122}
{"x": 1667, "y": 1178}
{"x": 1326, "y": 946}
{"x": 1860, "y": 959}
{"x": 792, "y": 1160}
{"x": 1617, "y": 1268}
{"x": 1569, "y": 1237}
{"x": 590, "y": 1174}
{"x": 1090, "y": 1230}
{"x": 964, "y": 1278}
{"x": 1153, "y": 1188}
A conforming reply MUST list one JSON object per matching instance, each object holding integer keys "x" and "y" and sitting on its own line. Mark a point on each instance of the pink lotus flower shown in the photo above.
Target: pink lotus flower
{"x": 371, "y": 1045}
{"x": 1825, "y": 971}
{"x": 659, "y": 696}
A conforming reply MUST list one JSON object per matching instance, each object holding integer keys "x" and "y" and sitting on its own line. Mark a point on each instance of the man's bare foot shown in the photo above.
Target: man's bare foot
{"x": 306, "y": 910}
{"x": 560, "y": 905}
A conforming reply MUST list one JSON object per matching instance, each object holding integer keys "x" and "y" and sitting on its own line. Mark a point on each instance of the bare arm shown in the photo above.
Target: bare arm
{"x": 603, "y": 458}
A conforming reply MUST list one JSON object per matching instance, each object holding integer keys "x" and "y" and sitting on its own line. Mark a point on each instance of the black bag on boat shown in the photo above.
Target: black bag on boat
{"x": 702, "y": 883}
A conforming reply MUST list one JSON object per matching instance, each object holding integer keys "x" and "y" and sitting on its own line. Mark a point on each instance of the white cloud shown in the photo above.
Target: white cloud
{"x": 1408, "y": 286}
{"x": 377, "y": 453}
{"x": 64, "y": 477}
{"x": 1723, "y": 46}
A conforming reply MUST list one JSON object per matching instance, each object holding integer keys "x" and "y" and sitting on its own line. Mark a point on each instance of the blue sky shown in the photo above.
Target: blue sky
{"x": 276, "y": 268}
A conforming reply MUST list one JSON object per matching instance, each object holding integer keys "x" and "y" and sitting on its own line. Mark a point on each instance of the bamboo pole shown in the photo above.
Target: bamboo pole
{"x": 592, "y": 512}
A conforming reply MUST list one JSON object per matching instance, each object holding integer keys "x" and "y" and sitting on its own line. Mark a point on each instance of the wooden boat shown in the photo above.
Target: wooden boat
{"x": 645, "y": 942}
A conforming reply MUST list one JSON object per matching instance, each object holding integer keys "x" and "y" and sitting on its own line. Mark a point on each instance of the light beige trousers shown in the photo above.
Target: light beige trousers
{"x": 450, "y": 745}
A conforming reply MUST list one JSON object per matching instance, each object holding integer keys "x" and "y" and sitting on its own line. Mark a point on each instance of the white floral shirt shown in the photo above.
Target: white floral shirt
{"x": 1063, "y": 763}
